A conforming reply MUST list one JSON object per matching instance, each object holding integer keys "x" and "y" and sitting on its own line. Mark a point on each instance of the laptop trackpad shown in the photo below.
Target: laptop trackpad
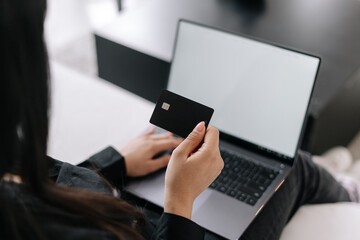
{"x": 222, "y": 214}
{"x": 151, "y": 188}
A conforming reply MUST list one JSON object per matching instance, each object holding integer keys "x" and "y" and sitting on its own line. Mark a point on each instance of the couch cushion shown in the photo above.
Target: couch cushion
{"x": 324, "y": 221}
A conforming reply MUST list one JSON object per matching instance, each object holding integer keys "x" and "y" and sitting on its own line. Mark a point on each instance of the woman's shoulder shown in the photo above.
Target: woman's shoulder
{"x": 76, "y": 176}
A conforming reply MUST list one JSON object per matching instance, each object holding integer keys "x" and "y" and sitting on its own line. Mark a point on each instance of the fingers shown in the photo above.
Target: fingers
{"x": 166, "y": 144}
{"x": 150, "y": 131}
{"x": 162, "y": 142}
{"x": 192, "y": 141}
{"x": 212, "y": 136}
{"x": 158, "y": 163}
{"x": 161, "y": 136}
{"x": 210, "y": 149}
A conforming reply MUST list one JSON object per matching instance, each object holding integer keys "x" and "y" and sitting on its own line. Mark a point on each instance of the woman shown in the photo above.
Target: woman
{"x": 33, "y": 206}
{"x": 42, "y": 198}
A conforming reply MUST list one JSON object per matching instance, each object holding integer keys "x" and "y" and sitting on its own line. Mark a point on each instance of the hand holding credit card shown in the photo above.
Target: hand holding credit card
{"x": 178, "y": 114}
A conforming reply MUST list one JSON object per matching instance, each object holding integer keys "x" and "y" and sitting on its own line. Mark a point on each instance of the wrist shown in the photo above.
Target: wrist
{"x": 178, "y": 205}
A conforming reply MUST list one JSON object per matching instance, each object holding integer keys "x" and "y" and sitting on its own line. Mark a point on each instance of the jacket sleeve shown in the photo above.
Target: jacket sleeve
{"x": 175, "y": 227}
{"x": 109, "y": 163}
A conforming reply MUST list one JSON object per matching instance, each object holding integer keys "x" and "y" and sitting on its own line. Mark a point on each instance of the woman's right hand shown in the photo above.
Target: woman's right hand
{"x": 193, "y": 166}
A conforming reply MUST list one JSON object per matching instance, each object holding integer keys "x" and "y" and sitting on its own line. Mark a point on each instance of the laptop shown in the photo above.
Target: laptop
{"x": 260, "y": 93}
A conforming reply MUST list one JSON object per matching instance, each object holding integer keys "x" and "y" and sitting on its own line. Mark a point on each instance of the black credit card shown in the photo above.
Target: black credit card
{"x": 178, "y": 114}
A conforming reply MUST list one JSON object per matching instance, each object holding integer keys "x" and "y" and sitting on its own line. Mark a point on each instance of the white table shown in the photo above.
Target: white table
{"x": 88, "y": 114}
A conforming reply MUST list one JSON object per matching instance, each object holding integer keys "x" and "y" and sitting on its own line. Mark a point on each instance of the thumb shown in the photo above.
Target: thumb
{"x": 193, "y": 140}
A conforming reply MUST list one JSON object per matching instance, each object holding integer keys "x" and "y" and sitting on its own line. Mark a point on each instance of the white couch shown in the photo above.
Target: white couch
{"x": 89, "y": 114}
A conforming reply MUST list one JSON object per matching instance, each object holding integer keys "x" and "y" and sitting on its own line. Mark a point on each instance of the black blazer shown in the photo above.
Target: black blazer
{"x": 59, "y": 224}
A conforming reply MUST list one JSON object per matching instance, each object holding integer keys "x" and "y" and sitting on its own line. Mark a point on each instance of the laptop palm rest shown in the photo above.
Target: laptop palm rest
{"x": 210, "y": 203}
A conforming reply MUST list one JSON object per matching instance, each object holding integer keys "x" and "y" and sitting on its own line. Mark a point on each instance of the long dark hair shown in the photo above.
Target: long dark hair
{"x": 24, "y": 130}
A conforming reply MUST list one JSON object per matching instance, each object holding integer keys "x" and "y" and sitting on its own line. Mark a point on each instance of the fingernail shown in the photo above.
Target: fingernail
{"x": 200, "y": 127}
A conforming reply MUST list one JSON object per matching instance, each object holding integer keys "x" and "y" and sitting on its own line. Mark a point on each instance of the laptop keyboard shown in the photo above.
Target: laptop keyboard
{"x": 243, "y": 179}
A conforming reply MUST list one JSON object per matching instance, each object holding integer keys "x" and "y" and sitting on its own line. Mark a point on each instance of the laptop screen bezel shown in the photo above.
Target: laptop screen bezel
{"x": 238, "y": 141}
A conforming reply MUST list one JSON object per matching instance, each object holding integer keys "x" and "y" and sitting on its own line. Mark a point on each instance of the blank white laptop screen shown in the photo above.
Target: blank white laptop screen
{"x": 260, "y": 92}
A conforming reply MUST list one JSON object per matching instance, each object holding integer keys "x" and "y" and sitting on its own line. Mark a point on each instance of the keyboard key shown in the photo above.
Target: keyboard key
{"x": 242, "y": 197}
{"x": 261, "y": 180}
{"x": 251, "y": 201}
{"x": 252, "y": 192}
{"x": 256, "y": 186}
{"x": 232, "y": 193}
{"x": 233, "y": 176}
{"x": 225, "y": 180}
{"x": 267, "y": 182}
{"x": 214, "y": 185}
{"x": 233, "y": 185}
{"x": 222, "y": 189}
{"x": 257, "y": 195}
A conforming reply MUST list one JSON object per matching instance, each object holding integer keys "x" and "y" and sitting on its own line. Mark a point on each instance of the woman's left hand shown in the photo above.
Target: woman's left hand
{"x": 139, "y": 152}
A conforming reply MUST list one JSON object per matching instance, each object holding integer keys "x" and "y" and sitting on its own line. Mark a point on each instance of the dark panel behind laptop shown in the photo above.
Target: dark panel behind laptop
{"x": 134, "y": 71}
